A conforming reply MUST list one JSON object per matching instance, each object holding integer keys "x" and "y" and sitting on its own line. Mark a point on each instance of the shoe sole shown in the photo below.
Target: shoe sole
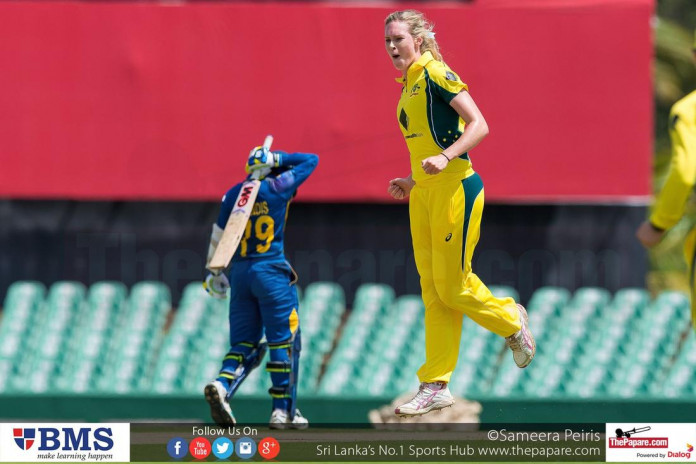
{"x": 287, "y": 426}
{"x": 523, "y": 311}
{"x": 421, "y": 412}
{"x": 217, "y": 411}
{"x": 299, "y": 427}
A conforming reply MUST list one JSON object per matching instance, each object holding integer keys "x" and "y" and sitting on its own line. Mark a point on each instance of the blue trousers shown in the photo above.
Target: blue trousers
{"x": 263, "y": 299}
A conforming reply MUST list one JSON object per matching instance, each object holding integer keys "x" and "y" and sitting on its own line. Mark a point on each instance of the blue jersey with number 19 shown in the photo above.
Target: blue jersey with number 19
{"x": 263, "y": 236}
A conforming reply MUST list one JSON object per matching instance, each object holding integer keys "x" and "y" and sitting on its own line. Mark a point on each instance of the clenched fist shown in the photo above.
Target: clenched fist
{"x": 400, "y": 187}
{"x": 435, "y": 164}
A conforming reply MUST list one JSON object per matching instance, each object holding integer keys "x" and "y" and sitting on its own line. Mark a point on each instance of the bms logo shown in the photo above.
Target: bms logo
{"x": 65, "y": 439}
{"x": 24, "y": 438}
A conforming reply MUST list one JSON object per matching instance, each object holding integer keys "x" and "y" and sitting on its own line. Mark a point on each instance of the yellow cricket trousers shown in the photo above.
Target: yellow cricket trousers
{"x": 690, "y": 254}
{"x": 445, "y": 227}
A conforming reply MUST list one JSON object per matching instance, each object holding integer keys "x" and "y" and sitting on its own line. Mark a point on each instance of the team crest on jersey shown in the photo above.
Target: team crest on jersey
{"x": 24, "y": 437}
{"x": 450, "y": 76}
{"x": 414, "y": 90}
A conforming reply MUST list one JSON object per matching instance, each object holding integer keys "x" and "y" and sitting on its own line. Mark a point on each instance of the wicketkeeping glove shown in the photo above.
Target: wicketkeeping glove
{"x": 217, "y": 285}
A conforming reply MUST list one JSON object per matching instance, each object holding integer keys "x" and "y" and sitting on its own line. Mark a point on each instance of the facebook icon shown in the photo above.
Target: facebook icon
{"x": 177, "y": 448}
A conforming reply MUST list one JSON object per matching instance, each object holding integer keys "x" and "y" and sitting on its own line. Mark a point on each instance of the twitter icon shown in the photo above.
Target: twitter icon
{"x": 223, "y": 448}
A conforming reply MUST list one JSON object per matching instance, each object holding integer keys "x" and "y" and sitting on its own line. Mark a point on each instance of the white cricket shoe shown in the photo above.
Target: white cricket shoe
{"x": 280, "y": 420}
{"x": 220, "y": 410}
{"x": 522, "y": 342}
{"x": 430, "y": 397}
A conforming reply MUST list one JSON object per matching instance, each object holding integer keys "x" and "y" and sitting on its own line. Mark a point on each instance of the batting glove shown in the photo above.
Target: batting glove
{"x": 262, "y": 158}
{"x": 217, "y": 285}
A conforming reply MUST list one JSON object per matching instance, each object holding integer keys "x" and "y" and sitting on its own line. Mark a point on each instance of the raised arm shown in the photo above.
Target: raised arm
{"x": 300, "y": 165}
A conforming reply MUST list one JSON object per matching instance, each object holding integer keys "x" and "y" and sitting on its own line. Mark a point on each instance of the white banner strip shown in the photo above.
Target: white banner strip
{"x": 64, "y": 442}
{"x": 650, "y": 442}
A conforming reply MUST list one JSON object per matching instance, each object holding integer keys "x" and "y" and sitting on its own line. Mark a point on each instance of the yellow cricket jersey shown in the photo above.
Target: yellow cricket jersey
{"x": 681, "y": 178}
{"x": 426, "y": 119}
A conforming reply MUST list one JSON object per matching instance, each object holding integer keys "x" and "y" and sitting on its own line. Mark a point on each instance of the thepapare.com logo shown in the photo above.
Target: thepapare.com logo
{"x": 65, "y": 442}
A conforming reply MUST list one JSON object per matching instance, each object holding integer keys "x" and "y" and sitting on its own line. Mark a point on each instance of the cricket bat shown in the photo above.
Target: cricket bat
{"x": 234, "y": 229}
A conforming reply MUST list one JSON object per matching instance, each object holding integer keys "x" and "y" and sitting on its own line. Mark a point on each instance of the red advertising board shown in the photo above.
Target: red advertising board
{"x": 164, "y": 101}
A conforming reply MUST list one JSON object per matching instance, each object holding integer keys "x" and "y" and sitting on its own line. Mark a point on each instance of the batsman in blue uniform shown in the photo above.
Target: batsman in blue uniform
{"x": 263, "y": 297}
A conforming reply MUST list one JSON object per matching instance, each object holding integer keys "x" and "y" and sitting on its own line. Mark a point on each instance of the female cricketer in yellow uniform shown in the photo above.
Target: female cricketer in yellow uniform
{"x": 669, "y": 206}
{"x": 441, "y": 123}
